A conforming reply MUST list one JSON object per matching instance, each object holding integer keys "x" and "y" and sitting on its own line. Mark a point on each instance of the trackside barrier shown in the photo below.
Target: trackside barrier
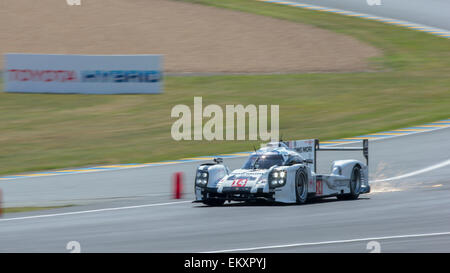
{"x": 178, "y": 185}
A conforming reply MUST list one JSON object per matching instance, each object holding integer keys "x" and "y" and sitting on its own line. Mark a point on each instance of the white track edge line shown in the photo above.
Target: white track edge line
{"x": 424, "y": 170}
{"x": 95, "y": 210}
{"x": 332, "y": 242}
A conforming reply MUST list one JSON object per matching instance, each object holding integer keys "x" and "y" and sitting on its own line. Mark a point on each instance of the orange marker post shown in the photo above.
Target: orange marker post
{"x": 178, "y": 185}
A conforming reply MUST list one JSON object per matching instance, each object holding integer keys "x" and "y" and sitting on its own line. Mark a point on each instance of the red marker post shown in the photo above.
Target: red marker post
{"x": 178, "y": 185}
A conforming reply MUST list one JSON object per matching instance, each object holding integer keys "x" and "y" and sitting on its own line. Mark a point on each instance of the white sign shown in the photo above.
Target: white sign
{"x": 84, "y": 74}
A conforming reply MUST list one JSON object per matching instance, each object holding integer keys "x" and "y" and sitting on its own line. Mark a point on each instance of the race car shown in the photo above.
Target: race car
{"x": 283, "y": 172}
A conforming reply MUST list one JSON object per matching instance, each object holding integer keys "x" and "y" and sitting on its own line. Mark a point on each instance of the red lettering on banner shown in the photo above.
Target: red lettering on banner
{"x": 24, "y": 75}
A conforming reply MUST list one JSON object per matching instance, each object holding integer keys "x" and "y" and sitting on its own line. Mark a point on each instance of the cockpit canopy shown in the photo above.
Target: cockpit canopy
{"x": 263, "y": 161}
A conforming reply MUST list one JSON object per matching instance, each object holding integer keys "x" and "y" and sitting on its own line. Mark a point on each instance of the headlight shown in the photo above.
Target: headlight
{"x": 277, "y": 178}
{"x": 201, "y": 178}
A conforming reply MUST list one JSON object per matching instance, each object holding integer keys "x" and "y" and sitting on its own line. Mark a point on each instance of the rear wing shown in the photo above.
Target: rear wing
{"x": 308, "y": 149}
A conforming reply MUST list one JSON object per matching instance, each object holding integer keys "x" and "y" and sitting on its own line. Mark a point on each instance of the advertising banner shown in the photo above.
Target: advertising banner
{"x": 83, "y": 74}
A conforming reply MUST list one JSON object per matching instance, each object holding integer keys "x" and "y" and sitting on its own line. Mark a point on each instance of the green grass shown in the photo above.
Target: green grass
{"x": 412, "y": 86}
{"x": 29, "y": 209}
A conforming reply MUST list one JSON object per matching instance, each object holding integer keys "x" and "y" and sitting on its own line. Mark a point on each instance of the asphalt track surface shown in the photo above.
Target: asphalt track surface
{"x": 132, "y": 210}
{"x": 433, "y": 13}
{"x": 136, "y": 212}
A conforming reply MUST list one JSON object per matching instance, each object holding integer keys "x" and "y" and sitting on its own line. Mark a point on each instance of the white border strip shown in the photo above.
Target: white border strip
{"x": 332, "y": 242}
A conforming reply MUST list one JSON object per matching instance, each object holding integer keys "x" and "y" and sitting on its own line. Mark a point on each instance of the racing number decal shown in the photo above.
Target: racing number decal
{"x": 319, "y": 186}
{"x": 239, "y": 182}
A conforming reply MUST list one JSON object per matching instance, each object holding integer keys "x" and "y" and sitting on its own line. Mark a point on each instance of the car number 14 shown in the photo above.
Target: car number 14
{"x": 239, "y": 182}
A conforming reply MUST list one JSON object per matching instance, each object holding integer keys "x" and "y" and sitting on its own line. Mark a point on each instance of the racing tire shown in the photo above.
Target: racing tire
{"x": 355, "y": 185}
{"x": 214, "y": 202}
{"x": 301, "y": 187}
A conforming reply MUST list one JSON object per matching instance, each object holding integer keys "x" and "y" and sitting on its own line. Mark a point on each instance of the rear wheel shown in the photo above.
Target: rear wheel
{"x": 355, "y": 185}
{"x": 214, "y": 202}
{"x": 301, "y": 187}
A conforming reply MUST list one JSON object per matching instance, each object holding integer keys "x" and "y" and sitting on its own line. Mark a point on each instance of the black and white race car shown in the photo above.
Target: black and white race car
{"x": 283, "y": 172}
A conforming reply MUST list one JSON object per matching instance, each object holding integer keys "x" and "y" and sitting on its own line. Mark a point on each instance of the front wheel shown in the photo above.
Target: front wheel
{"x": 301, "y": 187}
{"x": 355, "y": 185}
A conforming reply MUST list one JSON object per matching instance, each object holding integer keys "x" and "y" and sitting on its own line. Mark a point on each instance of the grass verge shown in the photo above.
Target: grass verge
{"x": 29, "y": 209}
{"x": 42, "y": 131}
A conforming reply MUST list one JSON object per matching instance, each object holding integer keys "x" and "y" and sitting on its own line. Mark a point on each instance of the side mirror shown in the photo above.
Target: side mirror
{"x": 218, "y": 160}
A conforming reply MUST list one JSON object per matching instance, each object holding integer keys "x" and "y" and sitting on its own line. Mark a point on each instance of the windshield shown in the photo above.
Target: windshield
{"x": 263, "y": 161}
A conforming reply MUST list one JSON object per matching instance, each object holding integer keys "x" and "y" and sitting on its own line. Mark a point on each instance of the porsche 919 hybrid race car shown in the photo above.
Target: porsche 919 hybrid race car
{"x": 283, "y": 172}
